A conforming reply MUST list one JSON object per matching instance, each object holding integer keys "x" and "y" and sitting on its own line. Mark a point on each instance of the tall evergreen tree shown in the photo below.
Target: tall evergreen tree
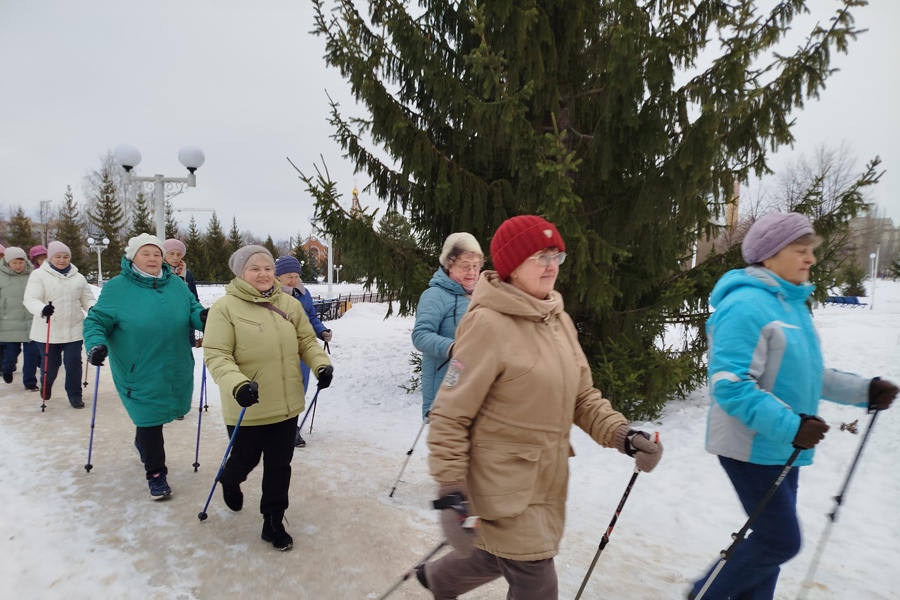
{"x": 71, "y": 230}
{"x": 297, "y": 251}
{"x": 624, "y": 123}
{"x": 140, "y": 217}
{"x": 198, "y": 261}
{"x": 217, "y": 250}
{"x": 310, "y": 270}
{"x": 172, "y": 229}
{"x": 106, "y": 217}
{"x": 235, "y": 240}
{"x": 20, "y": 231}
{"x": 269, "y": 245}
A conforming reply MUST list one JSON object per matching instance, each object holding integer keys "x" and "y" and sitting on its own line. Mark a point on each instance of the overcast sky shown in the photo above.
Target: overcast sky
{"x": 246, "y": 82}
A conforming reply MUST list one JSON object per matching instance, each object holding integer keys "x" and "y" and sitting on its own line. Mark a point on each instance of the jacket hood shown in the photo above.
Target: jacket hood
{"x": 442, "y": 280}
{"x": 142, "y": 280}
{"x": 243, "y": 290}
{"x": 494, "y": 293}
{"x": 762, "y": 278}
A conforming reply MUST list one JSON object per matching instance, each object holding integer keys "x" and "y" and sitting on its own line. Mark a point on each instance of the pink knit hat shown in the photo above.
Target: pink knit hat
{"x": 520, "y": 237}
{"x": 54, "y": 248}
{"x": 36, "y": 251}
{"x": 173, "y": 244}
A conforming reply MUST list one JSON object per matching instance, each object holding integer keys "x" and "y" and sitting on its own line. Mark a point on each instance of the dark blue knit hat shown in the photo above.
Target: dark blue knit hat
{"x": 287, "y": 264}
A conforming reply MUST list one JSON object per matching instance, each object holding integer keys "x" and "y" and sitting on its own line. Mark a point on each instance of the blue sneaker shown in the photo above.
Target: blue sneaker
{"x": 159, "y": 489}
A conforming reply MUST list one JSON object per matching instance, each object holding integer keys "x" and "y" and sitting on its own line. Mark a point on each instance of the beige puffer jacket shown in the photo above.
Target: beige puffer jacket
{"x": 517, "y": 382}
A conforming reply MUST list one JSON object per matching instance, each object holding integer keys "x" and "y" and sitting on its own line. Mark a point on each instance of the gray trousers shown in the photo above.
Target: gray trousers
{"x": 457, "y": 573}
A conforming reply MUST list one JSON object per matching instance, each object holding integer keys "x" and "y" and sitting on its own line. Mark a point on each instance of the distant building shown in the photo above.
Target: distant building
{"x": 316, "y": 250}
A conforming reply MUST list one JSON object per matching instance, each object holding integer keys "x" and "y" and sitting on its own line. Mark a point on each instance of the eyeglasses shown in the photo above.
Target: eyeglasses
{"x": 468, "y": 266}
{"x": 545, "y": 259}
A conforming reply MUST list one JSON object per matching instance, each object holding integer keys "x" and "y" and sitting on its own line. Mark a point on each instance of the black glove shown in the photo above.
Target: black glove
{"x": 460, "y": 529}
{"x": 325, "y": 375}
{"x": 47, "y": 310}
{"x": 203, "y": 314}
{"x": 811, "y": 431}
{"x": 248, "y": 394}
{"x": 881, "y": 394}
{"x": 97, "y": 355}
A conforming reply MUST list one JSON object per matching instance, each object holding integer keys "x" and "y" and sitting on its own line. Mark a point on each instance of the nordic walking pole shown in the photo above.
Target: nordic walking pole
{"x": 312, "y": 405}
{"x": 89, "y": 466}
{"x": 200, "y": 418}
{"x": 46, "y": 356}
{"x": 739, "y": 536}
{"x": 605, "y": 539}
{"x": 832, "y": 516}
{"x": 313, "y": 420}
{"x": 202, "y": 516}
{"x": 408, "y": 455}
{"x": 412, "y": 571}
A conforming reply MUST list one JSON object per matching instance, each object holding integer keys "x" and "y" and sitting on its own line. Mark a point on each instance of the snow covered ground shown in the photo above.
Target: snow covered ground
{"x": 72, "y": 534}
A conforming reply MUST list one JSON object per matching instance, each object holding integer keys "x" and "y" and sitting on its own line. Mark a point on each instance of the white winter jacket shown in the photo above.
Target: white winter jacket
{"x": 71, "y": 297}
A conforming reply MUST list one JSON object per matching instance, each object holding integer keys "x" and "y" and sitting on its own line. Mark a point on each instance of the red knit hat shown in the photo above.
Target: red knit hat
{"x": 520, "y": 237}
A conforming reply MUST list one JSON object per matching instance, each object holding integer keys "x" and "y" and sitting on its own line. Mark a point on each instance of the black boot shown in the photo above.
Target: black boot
{"x": 420, "y": 575}
{"x": 233, "y": 496}
{"x": 273, "y": 531}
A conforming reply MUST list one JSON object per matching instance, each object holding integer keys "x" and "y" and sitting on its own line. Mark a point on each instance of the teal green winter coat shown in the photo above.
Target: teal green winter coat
{"x": 15, "y": 320}
{"x": 143, "y": 321}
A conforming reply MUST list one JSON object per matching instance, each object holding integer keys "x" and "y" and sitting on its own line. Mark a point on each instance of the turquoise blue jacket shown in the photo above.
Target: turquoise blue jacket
{"x": 440, "y": 309}
{"x": 766, "y": 369}
{"x": 143, "y": 321}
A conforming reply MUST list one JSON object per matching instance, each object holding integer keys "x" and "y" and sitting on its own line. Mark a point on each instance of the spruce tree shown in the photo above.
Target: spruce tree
{"x": 140, "y": 217}
{"x": 624, "y": 123}
{"x": 172, "y": 229}
{"x": 106, "y": 217}
{"x": 197, "y": 261}
{"x": 269, "y": 245}
{"x": 310, "y": 270}
{"x": 20, "y": 231}
{"x": 71, "y": 230}
{"x": 235, "y": 240}
{"x": 216, "y": 247}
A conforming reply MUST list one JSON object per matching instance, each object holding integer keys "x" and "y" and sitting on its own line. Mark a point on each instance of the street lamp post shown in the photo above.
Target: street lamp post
{"x": 873, "y": 269}
{"x": 338, "y": 269}
{"x": 98, "y": 246}
{"x": 190, "y": 156}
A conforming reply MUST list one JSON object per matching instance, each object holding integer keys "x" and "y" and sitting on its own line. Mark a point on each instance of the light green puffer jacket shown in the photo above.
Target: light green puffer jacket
{"x": 244, "y": 341}
{"x": 15, "y": 320}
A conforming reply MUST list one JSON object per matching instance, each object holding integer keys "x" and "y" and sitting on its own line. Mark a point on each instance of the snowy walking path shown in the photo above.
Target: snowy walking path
{"x": 67, "y": 533}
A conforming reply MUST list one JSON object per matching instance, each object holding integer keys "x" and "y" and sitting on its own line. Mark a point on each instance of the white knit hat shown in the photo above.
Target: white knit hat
{"x": 144, "y": 239}
{"x": 457, "y": 243}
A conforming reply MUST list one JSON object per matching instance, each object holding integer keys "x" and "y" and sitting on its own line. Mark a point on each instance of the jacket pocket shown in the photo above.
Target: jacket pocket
{"x": 503, "y": 477}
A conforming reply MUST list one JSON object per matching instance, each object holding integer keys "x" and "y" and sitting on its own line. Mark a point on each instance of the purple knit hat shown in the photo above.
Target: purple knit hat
{"x": 771, "y": 233}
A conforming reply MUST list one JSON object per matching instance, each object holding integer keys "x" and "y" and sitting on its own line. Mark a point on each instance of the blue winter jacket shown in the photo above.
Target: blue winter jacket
{"x": 765, "y": 368}
{"x": 306, "y": 299}
{"x": 440, "y": 309}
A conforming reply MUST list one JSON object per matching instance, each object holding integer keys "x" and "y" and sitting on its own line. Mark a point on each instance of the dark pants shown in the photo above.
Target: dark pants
{"x": 752, "y": 571}
{"x": 456, "y": 574}
{"x": 152, "y": 447}
{"x": 69, "y": 355}
{"x": 275, "y": 444}
{"x": 30, "y": 364}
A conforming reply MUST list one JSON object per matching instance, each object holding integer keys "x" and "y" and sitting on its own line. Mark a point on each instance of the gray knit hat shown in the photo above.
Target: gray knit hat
{"x": 772, "y": 233}
{"x": 242, "y": 256}
{"x": 14, "y": 252}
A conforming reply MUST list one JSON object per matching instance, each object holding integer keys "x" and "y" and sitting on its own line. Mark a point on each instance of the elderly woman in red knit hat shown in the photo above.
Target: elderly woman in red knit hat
{"x": 500, "y": 425}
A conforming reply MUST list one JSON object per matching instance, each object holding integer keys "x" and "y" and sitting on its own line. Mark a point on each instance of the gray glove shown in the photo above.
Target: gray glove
{"x": 646, "y": 452}
{"x": 459, "y": 527}
{"x": 327, "y": 335}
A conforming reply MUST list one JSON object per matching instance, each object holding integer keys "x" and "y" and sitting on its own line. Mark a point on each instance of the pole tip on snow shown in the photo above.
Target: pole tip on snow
{"x": 391, "y": 495}
{"x": 202, "y": 516}
{"x": 88, "y": 467}
{"x": 196, "y": 464}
